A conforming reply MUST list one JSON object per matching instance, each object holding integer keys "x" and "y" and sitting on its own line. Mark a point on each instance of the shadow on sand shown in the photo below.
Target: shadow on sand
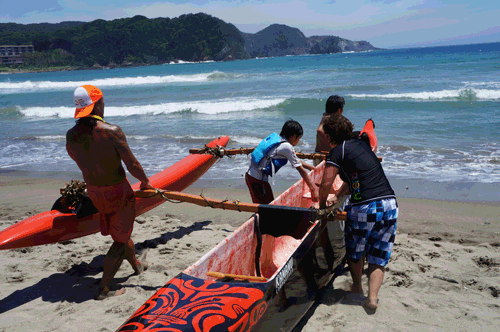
{"x": 328, "y": 296}
{"x": 78, "y": 284}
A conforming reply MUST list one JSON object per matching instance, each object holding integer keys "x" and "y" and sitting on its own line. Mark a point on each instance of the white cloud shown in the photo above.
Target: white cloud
{"x": 381, "y": 22}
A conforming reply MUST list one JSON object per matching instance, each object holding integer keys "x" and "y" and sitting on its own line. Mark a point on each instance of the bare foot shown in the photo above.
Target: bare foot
{"x": 102, "y": 296}
{"x": 143, "y": 264}
{"x": 370, "y": 304}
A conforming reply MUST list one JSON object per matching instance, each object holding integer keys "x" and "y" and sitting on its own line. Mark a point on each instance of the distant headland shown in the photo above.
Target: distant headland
{"x": 142, "y": 41}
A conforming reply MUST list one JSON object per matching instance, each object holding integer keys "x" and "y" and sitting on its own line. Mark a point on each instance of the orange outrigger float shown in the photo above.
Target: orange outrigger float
{"x": 56, "y": 226}
{"x": 263, "y": 276}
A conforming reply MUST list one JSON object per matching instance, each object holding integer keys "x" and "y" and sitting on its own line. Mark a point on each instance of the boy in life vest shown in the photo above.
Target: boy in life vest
{"x": 270, "y": 155}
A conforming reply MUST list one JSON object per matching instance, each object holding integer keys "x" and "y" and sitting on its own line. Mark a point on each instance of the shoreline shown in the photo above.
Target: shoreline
{"x": 464, "y": 192}
{"x": 69, "y": 68}
{"x": 473, "y": 222}
{"x": 95, "y": 67}
{"x": 98, "y": 67}
{"x": 172, "y": 62}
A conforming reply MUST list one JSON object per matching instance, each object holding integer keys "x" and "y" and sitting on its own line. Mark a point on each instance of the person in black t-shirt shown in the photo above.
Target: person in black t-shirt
{"x": 373, "y": 210}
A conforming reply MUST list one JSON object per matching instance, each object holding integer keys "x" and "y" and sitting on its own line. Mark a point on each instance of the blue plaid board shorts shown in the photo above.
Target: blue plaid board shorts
{"x": 371, "y": 228}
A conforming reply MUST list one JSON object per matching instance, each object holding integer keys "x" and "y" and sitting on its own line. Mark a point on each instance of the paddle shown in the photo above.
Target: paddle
{"x": 231, "y": 152}
{"x": 228, "y": 205}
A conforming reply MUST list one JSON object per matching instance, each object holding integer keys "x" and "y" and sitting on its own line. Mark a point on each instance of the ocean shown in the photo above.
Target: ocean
{"x": 436, "y": 112}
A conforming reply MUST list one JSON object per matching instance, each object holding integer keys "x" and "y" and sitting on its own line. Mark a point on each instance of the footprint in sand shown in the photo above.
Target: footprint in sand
{"x": 15, "y": 278}
{"x": 401, "y": 279}
{"x": 433, "y": 255}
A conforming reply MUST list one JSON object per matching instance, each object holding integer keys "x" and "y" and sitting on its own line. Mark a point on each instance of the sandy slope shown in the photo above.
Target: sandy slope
{"x": 444, "y": 276}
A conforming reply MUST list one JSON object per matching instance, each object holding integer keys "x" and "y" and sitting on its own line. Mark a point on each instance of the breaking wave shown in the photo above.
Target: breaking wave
{"x": 458, "y": 94}
{"x": 204, "y": 107}
{"x": 8, "y": 87}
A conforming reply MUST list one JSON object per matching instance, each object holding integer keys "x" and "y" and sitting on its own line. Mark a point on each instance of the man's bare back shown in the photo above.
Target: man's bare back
{"x": 334, "y": 105}
{"x": 322, "y": 141}
{"x": 99, "y": 154}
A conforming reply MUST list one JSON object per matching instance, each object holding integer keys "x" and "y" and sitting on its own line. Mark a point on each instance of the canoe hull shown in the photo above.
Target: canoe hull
{"x": 55, "y": 226}
{"x": 295, "y": 269}
{"x": 194, "y": 302}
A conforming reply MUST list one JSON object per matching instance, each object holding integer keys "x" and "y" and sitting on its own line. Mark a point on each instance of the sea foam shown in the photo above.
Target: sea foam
{"x": 458, "y": 94}
{"x": 480, "y": 165}
{"x": 218, "y": 106}
{"x": 9, "y": 87}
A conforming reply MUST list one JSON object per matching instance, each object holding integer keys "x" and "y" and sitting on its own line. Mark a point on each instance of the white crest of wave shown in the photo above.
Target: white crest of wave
{"x": 205, "y": 107}
{"x": 483, "y": 94}
{"x": 51, "y": 138}
{"x": 35, "y": 86}
{"x": 246, "y": 140}
{"x": 138, "y": 137}
{"x": 487, "y": 94}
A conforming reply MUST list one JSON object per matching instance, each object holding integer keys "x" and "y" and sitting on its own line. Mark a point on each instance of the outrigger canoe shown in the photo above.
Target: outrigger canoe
{"x": 56, "y": 226}
{"x": 263, "y": 276}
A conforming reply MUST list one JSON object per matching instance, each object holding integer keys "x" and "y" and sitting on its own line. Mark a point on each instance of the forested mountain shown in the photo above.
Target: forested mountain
{"x": 37, "y": 27}
{"x": 136, "y": 40}
{"x": 192, "y": 37}
{"x": 278, "y": 40}
{"x": 334, "y": 44}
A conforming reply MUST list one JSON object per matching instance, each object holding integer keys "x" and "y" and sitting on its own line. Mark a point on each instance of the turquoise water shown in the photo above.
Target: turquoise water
{"x": 436, "y": 111}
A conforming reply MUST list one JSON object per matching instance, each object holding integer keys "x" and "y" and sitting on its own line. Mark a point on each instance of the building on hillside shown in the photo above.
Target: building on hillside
{"x": 11, "y": 54}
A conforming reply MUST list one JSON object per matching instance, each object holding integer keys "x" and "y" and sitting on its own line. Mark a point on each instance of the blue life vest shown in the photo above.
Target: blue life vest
{"x": 262, "y": 150}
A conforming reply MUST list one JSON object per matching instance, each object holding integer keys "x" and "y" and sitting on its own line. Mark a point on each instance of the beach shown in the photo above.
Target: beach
{"x": 444, "y": 272}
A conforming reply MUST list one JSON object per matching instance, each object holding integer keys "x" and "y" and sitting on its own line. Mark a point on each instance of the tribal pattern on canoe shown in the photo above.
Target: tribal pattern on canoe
{"x": 192, "y": 304}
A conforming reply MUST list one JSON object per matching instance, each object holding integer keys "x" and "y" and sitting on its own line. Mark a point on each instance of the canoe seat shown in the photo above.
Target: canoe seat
{"x": 285, "y": 220}
{"x": 279, "y": 221}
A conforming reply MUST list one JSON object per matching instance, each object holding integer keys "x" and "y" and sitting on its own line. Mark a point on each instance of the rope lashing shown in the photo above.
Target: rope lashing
{"x": 220, "y": 151}
{"x": 160, "y": 192}
{"x": 222, "y": 203}
{"x": 217, "y": 151}
{"x": 327, "y": 213}
{"x": 213, "y": 206}
{"x": 237, "y": 203}
{"x": 208, "y": 203}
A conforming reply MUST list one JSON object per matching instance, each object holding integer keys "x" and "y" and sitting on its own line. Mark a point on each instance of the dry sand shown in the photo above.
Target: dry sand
{"x": 444, "y": 273}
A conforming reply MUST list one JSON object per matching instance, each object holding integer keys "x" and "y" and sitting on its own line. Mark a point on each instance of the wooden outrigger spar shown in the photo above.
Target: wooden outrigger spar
{"x": 232, "y": 152}
{"x": 262, "y": 276}
{"x": 236, "y": 205}
{"x": 221, "y": 151}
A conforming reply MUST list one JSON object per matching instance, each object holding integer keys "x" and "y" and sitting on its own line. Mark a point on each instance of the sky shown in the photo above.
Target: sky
{"x": 383, "y": 23}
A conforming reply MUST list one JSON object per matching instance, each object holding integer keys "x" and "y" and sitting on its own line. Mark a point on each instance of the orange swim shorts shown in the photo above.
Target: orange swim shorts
{"x": 116, "y": 204}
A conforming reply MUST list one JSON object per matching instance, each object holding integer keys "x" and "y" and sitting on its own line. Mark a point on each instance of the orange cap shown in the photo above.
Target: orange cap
{"x": 85, "y": 98}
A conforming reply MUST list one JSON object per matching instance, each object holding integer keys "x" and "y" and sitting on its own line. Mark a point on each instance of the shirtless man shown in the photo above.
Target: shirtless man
{"x": 334, "y": 105}
{"x": 98, "y": 148}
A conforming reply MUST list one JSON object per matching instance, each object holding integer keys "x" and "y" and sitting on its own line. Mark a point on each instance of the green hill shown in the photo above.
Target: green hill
{"x": 139, "y": 40}
{"x": 193, "y": 37}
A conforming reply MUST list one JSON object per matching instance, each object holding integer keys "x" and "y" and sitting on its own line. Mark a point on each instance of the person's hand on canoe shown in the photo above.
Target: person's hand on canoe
{"x": 146, "y": 186}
